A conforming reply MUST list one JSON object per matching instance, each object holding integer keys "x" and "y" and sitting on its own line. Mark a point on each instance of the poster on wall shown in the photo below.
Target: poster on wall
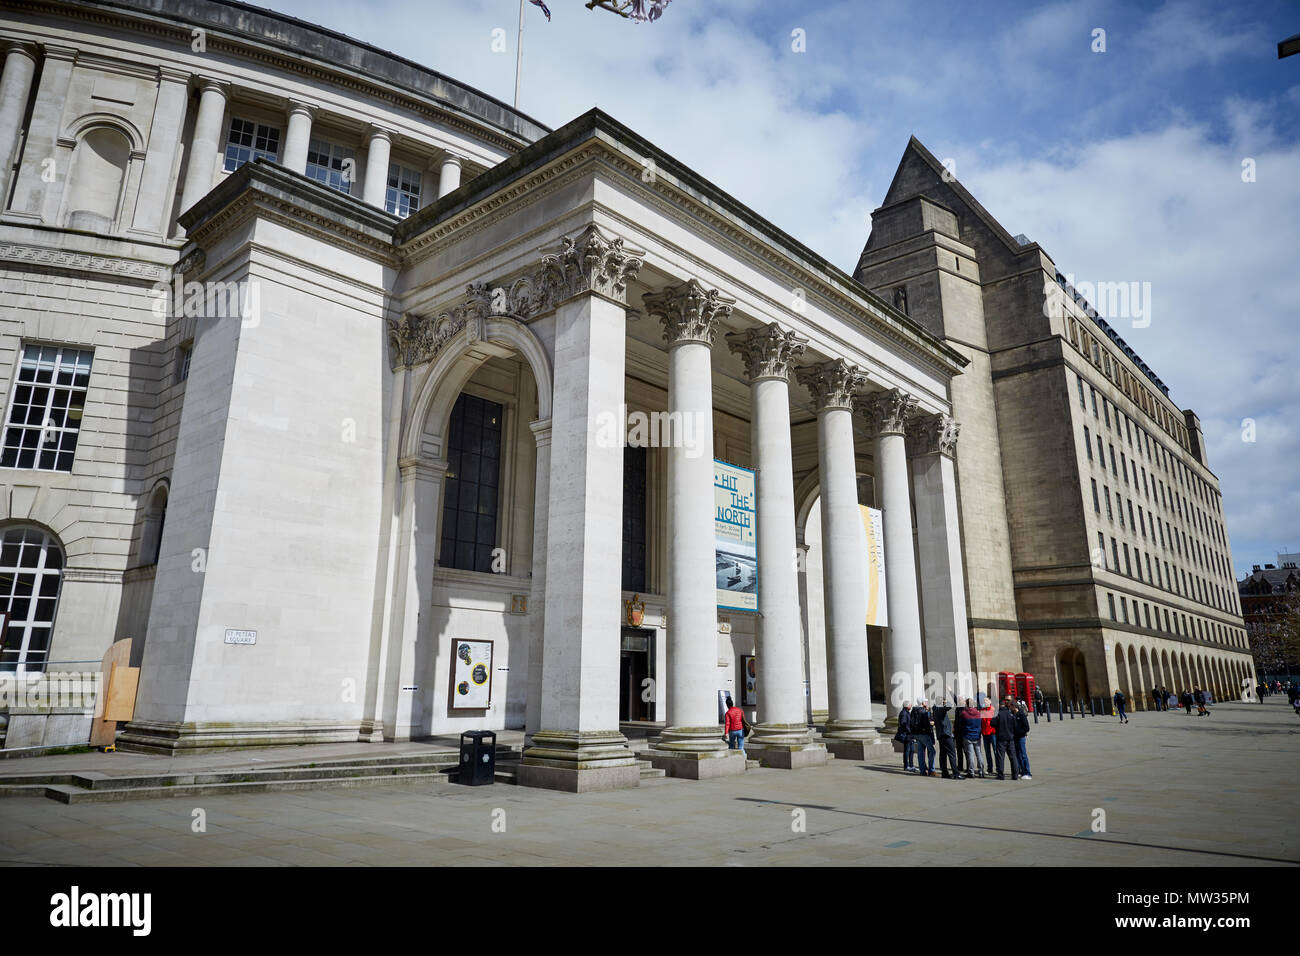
{"x": 873, "y": 546}
{"x": 735, "y": 542}
{"x": 749, "y": 674}
{"x": 471, "y": 675}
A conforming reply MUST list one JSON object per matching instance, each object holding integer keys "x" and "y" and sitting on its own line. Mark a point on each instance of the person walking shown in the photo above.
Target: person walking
{"x": 734, "y": 730}
{"x": 1155, "y": 697}
{"x": 1120, "y": 703}
{"x": 1004, "y": 728}
{"x": 1187, "y": 702}
{"x": 923, "y": 735}
{"x": 1040, "y": 702}
{"x": 947, "y": 749}
{"x": 904, "y": 736}
{"x": 972, "y": 726}
{"x": 1022, "y": 732}
{"x": 1199, "y": 697}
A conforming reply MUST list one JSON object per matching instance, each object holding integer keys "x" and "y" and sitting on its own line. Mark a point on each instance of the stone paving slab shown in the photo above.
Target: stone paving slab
{"x": 1176, "y": 791}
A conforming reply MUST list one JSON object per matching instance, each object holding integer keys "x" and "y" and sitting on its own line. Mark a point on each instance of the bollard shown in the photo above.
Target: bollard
{"x": 1060, "y": 708}
{"x": 1035, "y": 715}
{"x": 1092, "y": 705}
{"x": 1072, "y": 709}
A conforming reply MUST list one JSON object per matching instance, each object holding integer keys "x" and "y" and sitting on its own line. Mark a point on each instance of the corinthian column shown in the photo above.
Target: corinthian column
{"x": 575, "y": 744}
{"x": 692, "y": 745}
{"x": 850, "y": 728}
{"x": 886, "y": 414}
{"x": 781, "y": 737}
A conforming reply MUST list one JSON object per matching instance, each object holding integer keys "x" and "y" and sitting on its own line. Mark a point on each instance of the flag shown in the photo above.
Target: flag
{"x": 539, "y": 3}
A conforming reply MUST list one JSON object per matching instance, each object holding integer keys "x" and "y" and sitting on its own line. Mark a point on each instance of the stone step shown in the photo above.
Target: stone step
{"x": 72, "y": 794}
{"x": 752, "y": 764}
{"x": 648, "y": 771}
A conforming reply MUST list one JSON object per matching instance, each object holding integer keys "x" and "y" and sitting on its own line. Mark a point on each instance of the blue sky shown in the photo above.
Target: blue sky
{"x": 1126, "y": 165}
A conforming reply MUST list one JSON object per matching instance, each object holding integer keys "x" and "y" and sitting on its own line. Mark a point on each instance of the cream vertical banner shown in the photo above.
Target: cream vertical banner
{"x": 873, "y": 546}
{"x": 735, "y": 536}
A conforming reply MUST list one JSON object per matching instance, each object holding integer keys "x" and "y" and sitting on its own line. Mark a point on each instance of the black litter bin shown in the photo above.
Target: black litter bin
{"x": 478, "y": 757}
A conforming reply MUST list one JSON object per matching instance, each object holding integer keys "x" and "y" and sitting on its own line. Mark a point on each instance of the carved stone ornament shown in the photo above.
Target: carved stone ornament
{"x": 832, "y": 383}
{"x": 767, "y": 351}
{"x": 689, "y": 312}
{"x": 592, "y": 262}
{"x": 416, "y": 339}
{"x": 932, "y": 434}
{"x": 887, "y": 412}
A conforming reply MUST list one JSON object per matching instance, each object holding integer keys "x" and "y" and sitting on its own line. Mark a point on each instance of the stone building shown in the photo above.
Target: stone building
{"x": 1093, "y": 529}
{"x": 327, "y": 378}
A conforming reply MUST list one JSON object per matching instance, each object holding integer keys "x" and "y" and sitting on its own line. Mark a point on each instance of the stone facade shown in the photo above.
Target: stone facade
{"x": 359, "y": 387}
{"x": 1039, "y": 586}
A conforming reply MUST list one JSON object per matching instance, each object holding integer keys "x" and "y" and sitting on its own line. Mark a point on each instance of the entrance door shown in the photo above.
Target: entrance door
{"x": 636, "y": 667}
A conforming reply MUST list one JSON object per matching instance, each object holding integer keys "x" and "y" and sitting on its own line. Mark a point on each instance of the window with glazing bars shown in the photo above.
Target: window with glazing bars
{"x": 45, "y": 411}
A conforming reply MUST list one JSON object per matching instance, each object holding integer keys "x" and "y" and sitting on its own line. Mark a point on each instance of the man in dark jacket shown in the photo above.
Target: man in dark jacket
{"x": 970, "y": 738}
{"x": 923, "y": 735}
{"x": 1120, "y": 703}
{"x": 947, "y": 745}
{"x": 1187, "y": 702}
{"x": 904, "y": 736}
{"x": 1040, "y": 702}
{"x": 1021, "y": 732}
{"x": 1155, "y": 696}
{"x": 1004, "y": 729}
{"x": 959, "y": 736}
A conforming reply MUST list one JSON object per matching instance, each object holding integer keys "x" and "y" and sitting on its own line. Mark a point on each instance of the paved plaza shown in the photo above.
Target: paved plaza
{"x": 1175, "y": 791}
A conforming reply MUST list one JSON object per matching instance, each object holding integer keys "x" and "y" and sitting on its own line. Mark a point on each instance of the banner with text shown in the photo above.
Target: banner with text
{"x": 735, "y": 541}
{"x": 873, "y": 546}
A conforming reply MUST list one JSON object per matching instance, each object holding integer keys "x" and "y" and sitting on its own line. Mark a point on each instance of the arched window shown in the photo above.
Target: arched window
{"x": 31, "y": 574}
{"x": 98, "y": 174}
{"x": 154, "y": 518}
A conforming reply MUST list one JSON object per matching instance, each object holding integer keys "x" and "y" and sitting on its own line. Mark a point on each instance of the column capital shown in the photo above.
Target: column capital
{"x": 418, "y": 338}
{"x": 590, "y": 263}
{"x": 374, "y": 132}
{"x": 832, "y": 383}
{"x": 886, "y": 412}
{"x": 206, "y": 83}
{"x": 932, "y": 434}
{"x": 767, "y": 351}
{"x": 689, "y": 312}
{"x": 541, "y": 431}
{"x": 25, "y": 47}
{"x": 297, "y": 106}
{"x": 421, "y": 469}
{"x": 447, "y": 156}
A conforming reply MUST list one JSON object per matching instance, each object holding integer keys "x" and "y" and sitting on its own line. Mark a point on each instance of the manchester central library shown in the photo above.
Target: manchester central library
{"x": 309, "y": 357}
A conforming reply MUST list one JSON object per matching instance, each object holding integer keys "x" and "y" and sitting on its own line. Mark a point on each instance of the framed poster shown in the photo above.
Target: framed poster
{"x": 748, "y": 674}
{"x": 471, "y": 675}
{"x": 734, "y": 534}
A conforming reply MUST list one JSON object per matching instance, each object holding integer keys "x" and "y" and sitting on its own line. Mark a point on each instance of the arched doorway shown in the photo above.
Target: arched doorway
{"x": 1072, "y": 676}
{"x": 1144, "y": 691}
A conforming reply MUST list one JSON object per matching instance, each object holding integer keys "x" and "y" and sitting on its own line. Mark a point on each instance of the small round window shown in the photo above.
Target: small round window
{"x": 31, "y": 574}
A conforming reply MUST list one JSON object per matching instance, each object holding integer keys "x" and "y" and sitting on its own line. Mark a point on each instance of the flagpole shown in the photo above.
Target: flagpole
{"x": 519, "y": 51}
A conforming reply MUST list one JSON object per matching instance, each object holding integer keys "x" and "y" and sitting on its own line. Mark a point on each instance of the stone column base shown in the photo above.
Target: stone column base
{"x": 788, "y": 756}
{"x": 697, "y": 765}
{"x": 579, "y": 762}
{"x": 858, "y": 748}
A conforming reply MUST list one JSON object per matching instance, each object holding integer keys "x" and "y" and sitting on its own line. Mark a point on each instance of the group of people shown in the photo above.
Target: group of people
{"x": 960, "y": 734}
{"x": 1164, "y": 699}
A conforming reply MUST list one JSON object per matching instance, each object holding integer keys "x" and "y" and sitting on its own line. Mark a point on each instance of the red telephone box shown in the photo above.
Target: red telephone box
{"x": 1025, "y": 686}
{"x": 1006, "y": 685}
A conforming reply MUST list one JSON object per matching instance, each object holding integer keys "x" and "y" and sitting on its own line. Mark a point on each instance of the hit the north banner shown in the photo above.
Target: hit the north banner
{"x": 735, "y": 540}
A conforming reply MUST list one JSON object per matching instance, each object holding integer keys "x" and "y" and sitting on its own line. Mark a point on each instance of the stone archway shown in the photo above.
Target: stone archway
{"x": 435, "y": 357}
